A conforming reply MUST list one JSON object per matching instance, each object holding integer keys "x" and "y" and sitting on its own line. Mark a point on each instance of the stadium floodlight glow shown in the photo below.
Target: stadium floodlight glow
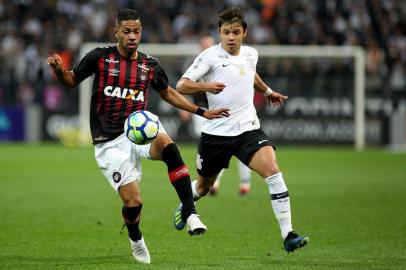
{"x": 296, "y": 51}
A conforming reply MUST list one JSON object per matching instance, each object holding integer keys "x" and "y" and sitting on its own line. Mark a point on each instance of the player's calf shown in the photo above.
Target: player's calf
{"x": 180, "y": 178}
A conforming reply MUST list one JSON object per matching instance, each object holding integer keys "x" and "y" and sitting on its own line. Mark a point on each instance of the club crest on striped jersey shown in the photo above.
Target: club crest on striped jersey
{"x": 124, "y": 93}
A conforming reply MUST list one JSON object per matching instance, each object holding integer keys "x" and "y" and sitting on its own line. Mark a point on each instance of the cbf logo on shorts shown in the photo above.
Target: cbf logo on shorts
{"x": 199, "y": 162}
{"x": 116, "y": 177}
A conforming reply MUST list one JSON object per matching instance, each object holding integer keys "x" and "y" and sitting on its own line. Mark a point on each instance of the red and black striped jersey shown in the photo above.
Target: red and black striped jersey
{"x": 120, "y": 87}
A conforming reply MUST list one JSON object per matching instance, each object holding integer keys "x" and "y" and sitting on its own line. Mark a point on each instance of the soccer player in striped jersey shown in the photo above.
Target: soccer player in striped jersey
{"x": 227, "y": 74}
{"x": 122, "y": 79}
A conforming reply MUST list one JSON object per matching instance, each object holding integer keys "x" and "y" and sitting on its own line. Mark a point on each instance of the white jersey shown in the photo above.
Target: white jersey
{"x": 237, "y": 73}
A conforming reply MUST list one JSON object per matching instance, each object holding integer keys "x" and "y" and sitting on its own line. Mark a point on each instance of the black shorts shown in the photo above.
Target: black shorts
{"x": 215, "y": 152}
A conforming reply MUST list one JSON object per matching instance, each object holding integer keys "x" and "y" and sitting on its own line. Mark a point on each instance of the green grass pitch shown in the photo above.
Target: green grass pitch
{"x": 58, "y": 212}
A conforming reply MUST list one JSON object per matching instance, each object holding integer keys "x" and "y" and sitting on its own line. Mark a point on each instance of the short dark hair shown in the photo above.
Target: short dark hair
{"x": 127, "y": 14}
{"x": 232, "y": 15}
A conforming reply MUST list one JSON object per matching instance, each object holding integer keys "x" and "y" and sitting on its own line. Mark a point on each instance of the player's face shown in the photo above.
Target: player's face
{"x": 128, "y": 34}
{"x": 231, "y": 36}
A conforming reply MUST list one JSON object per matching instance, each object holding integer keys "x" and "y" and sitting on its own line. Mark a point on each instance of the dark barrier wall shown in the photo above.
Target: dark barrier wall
{"x": 12, "y": 126}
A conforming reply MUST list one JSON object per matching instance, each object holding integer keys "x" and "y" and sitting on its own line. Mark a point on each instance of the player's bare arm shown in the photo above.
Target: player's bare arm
{"x": 273, "y": 97}
{"x": 187, "y": 87}
{"x": 171, "y": 96}
{"x": 65, "y": 77}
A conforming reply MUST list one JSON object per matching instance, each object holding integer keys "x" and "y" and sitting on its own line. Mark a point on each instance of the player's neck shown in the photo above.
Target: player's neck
{"x": 235, "y": 52}
{"x": 128, "y": 55}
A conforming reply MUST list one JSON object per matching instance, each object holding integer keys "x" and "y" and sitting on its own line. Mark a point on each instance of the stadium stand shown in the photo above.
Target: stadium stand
{"x": 30, "y": 30}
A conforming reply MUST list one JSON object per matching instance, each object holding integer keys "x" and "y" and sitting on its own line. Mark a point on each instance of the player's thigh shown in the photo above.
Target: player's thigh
{"x": 249, "y": 142}
{"x": 263, "y": 161}
{"x": 213, "y": 155}
{"x": 119, "y": 162}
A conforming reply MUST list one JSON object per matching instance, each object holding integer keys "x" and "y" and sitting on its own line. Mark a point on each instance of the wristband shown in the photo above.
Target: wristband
{"x": 200, "y": 111}
{"x": 268, "y": 92}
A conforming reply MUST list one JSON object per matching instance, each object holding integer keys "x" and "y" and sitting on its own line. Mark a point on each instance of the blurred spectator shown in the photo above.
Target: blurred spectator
{"x": 397, "y": 79}
{"x": 375, "y": 67}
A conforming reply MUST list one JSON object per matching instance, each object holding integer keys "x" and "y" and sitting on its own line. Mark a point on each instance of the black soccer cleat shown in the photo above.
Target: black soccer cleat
{"x": 294, "y": 241}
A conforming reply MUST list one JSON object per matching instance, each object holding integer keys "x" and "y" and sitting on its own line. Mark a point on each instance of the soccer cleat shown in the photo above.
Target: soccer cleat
{"x": 177, "y": 218}
{"x": 195, "y": 225}
{"x": 294, "y": 241}
{"x": 244, "y": 189}
{"x": 140, "y": 251}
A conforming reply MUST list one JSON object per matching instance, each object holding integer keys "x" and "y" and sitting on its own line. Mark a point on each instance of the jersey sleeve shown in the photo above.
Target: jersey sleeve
{"x": 87, "y": 65}
{"x": 255, "y": 56}
{"x": 160, "y": 80}
{"x": 200, "y": 66}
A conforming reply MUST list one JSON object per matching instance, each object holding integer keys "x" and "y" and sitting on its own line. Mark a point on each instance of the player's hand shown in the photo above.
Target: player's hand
{"x": 217, "y": 113}
{"x": 214, "y": 87}
{"x": 55, "y": 62}
{"x": 276, "y": 98}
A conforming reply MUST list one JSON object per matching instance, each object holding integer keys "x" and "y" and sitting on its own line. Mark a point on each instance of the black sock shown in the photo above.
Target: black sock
{"x": 180, "y": 178}
{"x": 132, "y": 217}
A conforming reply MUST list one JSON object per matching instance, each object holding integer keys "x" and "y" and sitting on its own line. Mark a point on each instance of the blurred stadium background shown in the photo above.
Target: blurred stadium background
{"x": 33, "y": 107}
{"x": 57, "y": 211}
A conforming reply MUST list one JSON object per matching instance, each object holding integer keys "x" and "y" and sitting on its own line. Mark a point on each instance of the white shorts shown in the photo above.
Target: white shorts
{"x": 120, "y": 160}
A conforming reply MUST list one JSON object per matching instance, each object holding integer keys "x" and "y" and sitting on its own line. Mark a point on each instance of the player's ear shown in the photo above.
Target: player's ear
{"x": 245, "y": 32}
{"x": 115, "y": 31}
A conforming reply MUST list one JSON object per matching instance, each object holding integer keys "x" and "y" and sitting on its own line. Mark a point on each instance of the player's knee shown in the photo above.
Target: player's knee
{"x": 203, "y": 186}
{"x": 131, "y": 200}
{"x": 203, "y": 190}
{"x": 274, "y": 169}
{"x": 269, "y": 171}
{"x": 162, "y": 141}
{"x": 159, "y": 144}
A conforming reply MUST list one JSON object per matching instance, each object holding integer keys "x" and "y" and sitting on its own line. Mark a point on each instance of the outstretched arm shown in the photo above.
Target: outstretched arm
{"x": 171, "y": 96}
{"x": 65, "y": 77}
{"x": 272, "y": 96}
{"x": 187, "y": 87}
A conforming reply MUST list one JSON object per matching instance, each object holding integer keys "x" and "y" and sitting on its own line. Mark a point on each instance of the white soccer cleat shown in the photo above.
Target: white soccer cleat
{"x": 194, "y": 225}
{"x": 140, "y": 251}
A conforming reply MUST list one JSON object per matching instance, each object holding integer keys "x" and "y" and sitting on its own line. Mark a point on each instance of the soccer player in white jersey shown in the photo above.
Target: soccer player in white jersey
{"x": 227, "y": 74}
{"x": 244, "y": 172}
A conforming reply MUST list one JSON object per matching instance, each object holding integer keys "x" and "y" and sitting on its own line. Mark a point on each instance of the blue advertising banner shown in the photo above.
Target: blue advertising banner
{"x": 12, "y": 126}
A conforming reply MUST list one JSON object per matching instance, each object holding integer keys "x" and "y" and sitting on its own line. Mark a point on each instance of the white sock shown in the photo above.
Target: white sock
{"x": 218, "y": 178}
{"x": 244, "y": 172}
{"x": 280, "y": 202}
{"x": 196, "y": 195}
